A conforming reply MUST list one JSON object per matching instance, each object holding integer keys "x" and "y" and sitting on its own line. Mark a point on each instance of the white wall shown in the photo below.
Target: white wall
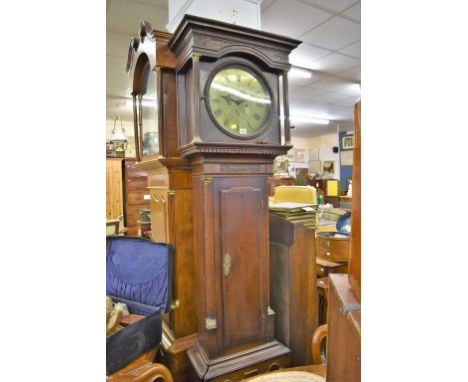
{"x": 301, "y": 143}
{"x": 325, "y": 144}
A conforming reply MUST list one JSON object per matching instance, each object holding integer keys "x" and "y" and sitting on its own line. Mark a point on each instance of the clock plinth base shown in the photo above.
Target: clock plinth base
{"x": 238, "y": 366}
{"x": 172, "y": 353}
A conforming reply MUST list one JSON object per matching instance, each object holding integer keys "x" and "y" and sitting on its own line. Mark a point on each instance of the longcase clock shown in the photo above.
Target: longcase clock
{"x": 151, "y": 66}
{"x": 232, "y": 85}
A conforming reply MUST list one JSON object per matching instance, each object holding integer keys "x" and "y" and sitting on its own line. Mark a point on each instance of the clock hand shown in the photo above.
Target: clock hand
{"x": 227, "y": 98}
{"x": 237, "y": 102}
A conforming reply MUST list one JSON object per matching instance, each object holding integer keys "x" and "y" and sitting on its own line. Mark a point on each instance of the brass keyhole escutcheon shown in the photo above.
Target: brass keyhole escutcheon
{"x": 226, "y": 265}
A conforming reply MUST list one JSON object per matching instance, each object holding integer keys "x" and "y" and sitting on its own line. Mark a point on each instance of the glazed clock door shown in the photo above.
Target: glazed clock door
{"x": 244, "y": 258}
{"x": 239, "y": 101}
{"x": 145, "y": 110}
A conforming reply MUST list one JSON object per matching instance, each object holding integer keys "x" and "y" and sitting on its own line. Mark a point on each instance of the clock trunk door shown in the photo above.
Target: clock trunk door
{"x": 243, "y": 256}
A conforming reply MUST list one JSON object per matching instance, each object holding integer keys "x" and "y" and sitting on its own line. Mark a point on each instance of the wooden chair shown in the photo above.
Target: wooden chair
{"x": 142, "y": 370}
{"x": 313, "y": 373}
{"x": 320, "y": 335}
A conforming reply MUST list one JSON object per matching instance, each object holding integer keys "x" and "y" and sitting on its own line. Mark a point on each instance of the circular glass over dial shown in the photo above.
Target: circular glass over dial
{"x": 239, "y": 101}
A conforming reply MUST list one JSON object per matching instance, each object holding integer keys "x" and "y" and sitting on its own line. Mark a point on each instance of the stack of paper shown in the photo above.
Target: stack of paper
{"x": 297, "y": 213}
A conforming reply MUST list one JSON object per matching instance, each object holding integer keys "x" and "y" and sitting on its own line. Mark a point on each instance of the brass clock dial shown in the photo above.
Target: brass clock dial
{"x": 239, "y": 101}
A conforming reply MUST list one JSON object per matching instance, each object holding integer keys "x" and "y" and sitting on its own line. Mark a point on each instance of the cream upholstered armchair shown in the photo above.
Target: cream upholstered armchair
{"x": 295, "y": 194}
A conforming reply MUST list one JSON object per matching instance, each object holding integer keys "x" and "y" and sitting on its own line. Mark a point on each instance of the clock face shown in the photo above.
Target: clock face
{"x": 239, "y": 101}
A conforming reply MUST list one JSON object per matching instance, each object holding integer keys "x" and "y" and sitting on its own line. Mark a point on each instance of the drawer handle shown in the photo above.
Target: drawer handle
{"x": 328, "y": 253}
{"x": 251, "y": 373}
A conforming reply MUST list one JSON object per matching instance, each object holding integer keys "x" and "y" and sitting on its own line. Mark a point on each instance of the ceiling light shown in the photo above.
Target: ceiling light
{"x": 296, "y": 72}
{"x": 307, "y": 119}
{"x": 117, "y": 140}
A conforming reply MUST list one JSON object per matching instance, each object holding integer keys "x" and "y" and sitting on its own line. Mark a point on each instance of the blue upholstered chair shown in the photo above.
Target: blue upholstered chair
{"x": 138, "y": 273}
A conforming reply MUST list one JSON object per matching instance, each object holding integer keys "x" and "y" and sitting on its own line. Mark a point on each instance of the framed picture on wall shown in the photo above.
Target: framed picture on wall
{"x": 346, "y": 158}
{"x": 347, "y": 142}
{"x": 290, "y": 155}
{"x": 281, "y": 166}
{"x": 314, "y": 154}
{"x": 315, "y": 167}
{"x": 329, "y": 166}
{"x": 300, "y": 155}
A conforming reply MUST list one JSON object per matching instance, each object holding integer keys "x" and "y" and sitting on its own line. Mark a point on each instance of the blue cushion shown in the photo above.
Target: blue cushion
{"x": 138, "y": 270}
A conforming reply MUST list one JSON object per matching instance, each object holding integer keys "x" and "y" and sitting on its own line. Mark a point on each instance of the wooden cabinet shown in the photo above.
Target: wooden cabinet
{"x": 317, "y": 183}
{"x": 344, "y": 293}
{"x": 325, "y": 267}
{"x": 333, "y": 200}
{"x": 126, "y": 192}
{"x": 332, "y": 253}
{"x": 332, "y": 248}
{"x": 293, "y": 294}
{"x": 136, "y": 195}
{"x": 355, "y": 261}
{"x": 344, "y": 332}
{"x": 283, "y": 181}
{"x": 114, "y": 195}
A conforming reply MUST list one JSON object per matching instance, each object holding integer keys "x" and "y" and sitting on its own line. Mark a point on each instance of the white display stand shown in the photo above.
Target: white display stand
{"x": 241, "y": 12}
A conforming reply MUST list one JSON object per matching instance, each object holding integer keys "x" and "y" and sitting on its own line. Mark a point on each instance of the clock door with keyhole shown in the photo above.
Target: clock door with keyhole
{"x": 243, "y": 256}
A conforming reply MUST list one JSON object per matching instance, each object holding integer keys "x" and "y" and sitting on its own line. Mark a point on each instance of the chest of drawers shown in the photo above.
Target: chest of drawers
{"x": 136, "y": 195}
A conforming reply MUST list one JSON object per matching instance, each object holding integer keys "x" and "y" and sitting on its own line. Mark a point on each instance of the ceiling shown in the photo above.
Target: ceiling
{"x": 331, "y": 50}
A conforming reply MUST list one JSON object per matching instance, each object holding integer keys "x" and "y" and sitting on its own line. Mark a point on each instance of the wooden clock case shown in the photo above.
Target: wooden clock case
{"x": 235, "y": 336}
{"x": 170, "y": 188}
